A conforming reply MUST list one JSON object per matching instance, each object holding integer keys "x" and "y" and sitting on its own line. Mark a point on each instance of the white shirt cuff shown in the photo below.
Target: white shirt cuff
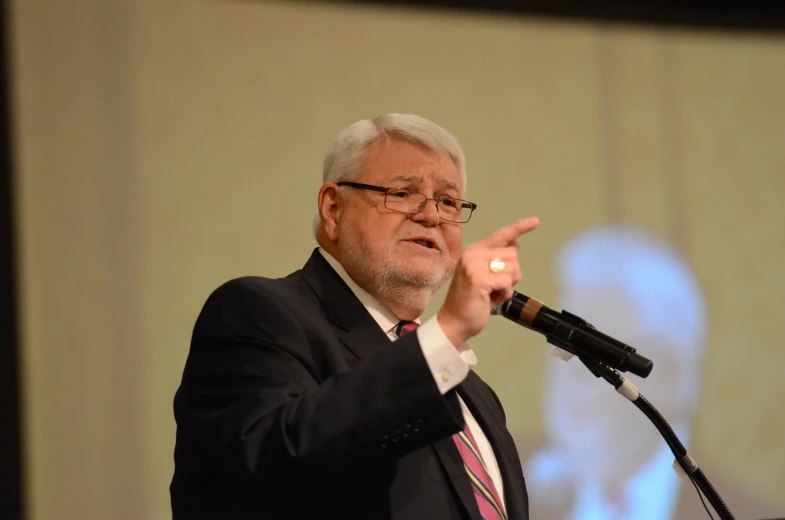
{"x": 449, "y": 365}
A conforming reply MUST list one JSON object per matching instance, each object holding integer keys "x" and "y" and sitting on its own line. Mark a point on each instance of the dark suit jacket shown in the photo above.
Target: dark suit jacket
{"x": 295, "y": 404}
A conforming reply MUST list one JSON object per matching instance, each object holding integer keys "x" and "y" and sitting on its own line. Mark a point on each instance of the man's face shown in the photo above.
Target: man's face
{"x": 379, "y": 247}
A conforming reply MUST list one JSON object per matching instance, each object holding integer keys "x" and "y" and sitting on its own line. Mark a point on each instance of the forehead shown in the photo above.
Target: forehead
{"x": 396, "y": 160}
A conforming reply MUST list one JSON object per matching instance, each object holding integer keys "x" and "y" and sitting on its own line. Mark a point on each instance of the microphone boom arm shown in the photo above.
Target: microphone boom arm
{"x": 688, "y": 465}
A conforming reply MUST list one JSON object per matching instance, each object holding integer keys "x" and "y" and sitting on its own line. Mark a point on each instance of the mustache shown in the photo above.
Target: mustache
{"x": 434, "y": 237}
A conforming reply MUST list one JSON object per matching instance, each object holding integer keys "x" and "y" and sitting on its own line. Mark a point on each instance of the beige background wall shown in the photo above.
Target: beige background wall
{"x": 165, "y": 147}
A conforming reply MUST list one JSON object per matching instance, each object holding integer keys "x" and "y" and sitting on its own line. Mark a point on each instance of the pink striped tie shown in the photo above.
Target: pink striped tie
{"x": 485, "y": 493}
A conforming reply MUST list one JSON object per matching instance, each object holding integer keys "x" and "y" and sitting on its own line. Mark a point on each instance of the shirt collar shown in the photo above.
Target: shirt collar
{"x": 381, "y": 314}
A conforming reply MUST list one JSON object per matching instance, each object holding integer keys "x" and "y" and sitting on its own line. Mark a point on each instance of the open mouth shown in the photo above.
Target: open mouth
{"x": 425, "y": 242}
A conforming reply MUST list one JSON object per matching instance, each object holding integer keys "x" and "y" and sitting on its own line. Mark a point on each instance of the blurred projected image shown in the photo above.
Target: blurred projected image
{"x": 602, "y": 459}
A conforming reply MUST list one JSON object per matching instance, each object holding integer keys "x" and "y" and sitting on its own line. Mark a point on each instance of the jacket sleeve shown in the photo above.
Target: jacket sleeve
{"x": 251, "y": 402}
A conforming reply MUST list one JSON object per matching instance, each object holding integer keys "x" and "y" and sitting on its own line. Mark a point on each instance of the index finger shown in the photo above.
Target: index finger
{"x": 508, "y": 234}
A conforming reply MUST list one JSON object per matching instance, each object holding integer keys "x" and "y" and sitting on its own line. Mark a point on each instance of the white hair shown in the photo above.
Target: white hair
{"x": 344, "y": 159}
{"x": 657, "y": 279}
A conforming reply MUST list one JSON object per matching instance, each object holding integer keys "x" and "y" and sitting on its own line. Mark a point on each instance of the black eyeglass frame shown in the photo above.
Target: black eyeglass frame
{"x": 382, "y": 189}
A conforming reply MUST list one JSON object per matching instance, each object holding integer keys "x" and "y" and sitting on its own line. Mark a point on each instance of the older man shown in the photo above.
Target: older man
{"x": 319, "y": 395}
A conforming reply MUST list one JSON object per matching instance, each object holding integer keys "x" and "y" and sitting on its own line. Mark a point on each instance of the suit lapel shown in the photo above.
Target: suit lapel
{"x": 452, "y": 463}
{"x": 356, "y": 327}
{"x": 480, "y": 402}
{"x": 362, "y": 341}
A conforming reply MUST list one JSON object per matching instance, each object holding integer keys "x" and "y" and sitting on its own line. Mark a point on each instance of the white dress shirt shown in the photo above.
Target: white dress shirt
{"x": 449, "y": 365}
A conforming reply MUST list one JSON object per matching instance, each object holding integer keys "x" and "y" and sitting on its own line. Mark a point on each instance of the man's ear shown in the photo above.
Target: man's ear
{"x": 331, "y": 207}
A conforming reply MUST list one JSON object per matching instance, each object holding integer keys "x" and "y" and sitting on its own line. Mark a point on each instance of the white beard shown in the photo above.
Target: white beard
{"x": 378, "y": 273}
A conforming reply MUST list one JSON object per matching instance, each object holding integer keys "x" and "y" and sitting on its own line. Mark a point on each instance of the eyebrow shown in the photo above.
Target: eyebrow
{"x": 448, "y": 184}
{"x": 407, "y": 178}
{"x": 443, "y": 183}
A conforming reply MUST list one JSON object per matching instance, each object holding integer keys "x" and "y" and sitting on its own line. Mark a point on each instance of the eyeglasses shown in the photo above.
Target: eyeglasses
{"x": 411, "y": 202}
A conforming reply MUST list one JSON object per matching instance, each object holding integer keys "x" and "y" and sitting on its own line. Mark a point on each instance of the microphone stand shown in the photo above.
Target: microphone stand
{"x": 688, "y": 464}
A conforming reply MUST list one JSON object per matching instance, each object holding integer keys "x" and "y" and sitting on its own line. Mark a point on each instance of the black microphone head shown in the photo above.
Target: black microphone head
{"x": 639, "y": 365}
{"x": 499, "y": 310}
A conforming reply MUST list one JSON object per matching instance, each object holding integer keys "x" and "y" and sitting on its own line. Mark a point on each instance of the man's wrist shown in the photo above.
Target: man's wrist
{"x": 450, "y": 330}
{"x": 448, "y": 364}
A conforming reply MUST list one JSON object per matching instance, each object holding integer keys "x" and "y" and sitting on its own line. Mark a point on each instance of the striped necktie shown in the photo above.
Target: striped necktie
{"x": 485, "y": 493}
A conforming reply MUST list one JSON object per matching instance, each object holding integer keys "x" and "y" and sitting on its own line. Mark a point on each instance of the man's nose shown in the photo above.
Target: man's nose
{"x": 429, "y": 213}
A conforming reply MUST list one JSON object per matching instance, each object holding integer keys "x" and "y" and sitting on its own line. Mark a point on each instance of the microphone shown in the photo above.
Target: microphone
{"x": 573, "y": 334}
